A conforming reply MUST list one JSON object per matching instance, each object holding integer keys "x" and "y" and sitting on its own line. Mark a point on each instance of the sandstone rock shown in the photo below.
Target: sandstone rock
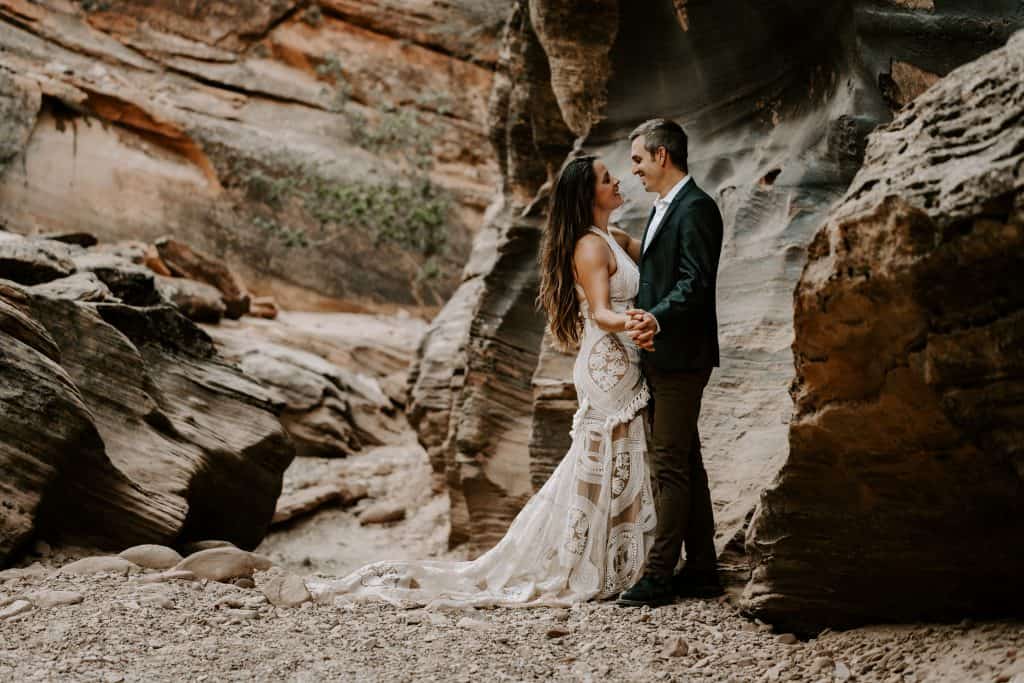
{"x": 307, "y": 500}
{"x": 675, "y": 647}
{"x": 557, "y": 632}
{"x": 908, "y": 328}
{"x": 15, "y": 608}
{"x": 100, "y": 564}
{"x": 329, "y": 411}
{"x": 223, "y": 564}
{"x": 263, "y": 307}
{"x": 78, "y": 287}
{"x": 151, "y": 259}
{"x": 197, "y": 546}
{"x": 171, "y": 575}
{"x": 152, "y": 556}
{"x": 81, "y": 239}
{"x": 47, "y": 599}
{"x": 160, "y": 375}
{"x": 185, "y": 262}
{"x": 131, "y": 283}
{"x": 382, "y": 513}
{"x": 286, "y": 590}
{"x": 31, "y": 261}
{"x": 198, "y": 301}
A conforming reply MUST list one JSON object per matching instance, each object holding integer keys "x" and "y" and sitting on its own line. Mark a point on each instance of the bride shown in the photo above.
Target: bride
{"x": 586, "y": 533}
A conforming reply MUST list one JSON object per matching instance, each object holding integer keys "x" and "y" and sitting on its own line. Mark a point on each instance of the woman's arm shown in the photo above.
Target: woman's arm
{"x": 591, "y": 261}
{"x": 629, "y": 245}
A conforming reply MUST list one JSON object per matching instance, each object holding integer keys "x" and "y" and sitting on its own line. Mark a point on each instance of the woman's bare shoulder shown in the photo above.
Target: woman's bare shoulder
{"x": 592, "y": 252}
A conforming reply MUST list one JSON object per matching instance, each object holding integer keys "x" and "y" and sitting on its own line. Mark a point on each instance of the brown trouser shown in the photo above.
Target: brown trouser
{"x": 681, "y": 495}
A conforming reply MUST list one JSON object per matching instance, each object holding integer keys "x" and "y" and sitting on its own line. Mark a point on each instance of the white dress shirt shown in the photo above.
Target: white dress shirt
{"x": 661, "y": 208}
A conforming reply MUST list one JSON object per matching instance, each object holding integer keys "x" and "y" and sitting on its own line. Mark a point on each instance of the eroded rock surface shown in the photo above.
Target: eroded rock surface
{"x": 251, "y": 130}
{"x": 905, "y": 477}
{"x": 120, "y": 424}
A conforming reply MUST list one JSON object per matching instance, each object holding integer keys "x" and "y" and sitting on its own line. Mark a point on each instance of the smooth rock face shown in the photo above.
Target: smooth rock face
{"x": 905, "y": 476}
{"x": 151, "y": 556}
{"x": 100, "y": 564}
{"x": 223, "y": 564}
{"x": 471, "y": 392}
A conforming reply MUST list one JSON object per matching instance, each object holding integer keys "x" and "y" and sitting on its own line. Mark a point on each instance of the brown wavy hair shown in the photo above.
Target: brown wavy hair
{"x": 569, "y": 218}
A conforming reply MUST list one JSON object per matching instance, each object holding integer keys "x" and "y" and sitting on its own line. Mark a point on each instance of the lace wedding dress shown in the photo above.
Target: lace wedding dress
{"x": 586, "y": 533}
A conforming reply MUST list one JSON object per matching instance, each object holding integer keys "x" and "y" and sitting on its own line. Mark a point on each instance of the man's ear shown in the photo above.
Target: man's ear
{"x": 661, "y": 156}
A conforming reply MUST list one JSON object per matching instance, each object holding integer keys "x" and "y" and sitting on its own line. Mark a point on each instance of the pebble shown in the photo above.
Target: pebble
{"x": 15, "y": 608}
{"x": 675, "y": 647}
{"x": 151, "y": 556}
{"x": 47, "y": 599}
{"x": 100, "y": 564}
{"x": 788, "y": 639}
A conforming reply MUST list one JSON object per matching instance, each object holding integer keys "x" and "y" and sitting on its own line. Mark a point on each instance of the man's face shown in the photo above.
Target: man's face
{"x": 645, "y": 165}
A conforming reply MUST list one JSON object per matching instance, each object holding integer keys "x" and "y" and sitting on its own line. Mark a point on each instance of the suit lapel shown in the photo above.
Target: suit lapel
{"x": 672, "y": 209}
{"x": 643, "y": 238}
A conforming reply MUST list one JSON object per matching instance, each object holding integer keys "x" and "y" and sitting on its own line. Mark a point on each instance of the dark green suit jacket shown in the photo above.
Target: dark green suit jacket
{"x": 678, "y": 272}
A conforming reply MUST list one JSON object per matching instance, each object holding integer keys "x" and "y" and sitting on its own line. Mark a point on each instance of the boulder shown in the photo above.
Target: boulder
{"x": 905, "y": 474}
{"x": 197, "y": 546}
{"x": 151, "y": 556}
{"x": 307, "y": 500}
{"x": 223, "y": 564}
{"x": 84, "y": 286}
{"x": 330, "y": 411}
{"x": 33, "y": 261}
{"x": 81, "y": 239}
{"x": 286, "y": 590}
{"x": 263, "y": 307}
{"x": 100, "y": 564}
{"x": 185, "y": 262}
{"x": 382, "y": 513}
{"x": 198, "y": 301}
{"x": 131, "y": 283}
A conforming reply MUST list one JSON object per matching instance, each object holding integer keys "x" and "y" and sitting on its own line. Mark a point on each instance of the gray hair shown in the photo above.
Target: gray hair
{"x": 663, "y": 133}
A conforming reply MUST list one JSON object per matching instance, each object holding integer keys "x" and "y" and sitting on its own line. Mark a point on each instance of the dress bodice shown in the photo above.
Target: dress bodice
{"x": 623, "y": 284}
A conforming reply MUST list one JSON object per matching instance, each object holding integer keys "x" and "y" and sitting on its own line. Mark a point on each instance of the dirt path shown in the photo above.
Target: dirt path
{"x": 123, "y": 630}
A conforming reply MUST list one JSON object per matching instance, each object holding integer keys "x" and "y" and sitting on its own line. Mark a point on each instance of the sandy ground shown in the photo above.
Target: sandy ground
{"x": 124, "y": 630}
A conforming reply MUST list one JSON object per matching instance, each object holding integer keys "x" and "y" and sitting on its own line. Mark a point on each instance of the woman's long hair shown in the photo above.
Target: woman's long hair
{"x": 569, "y": 218}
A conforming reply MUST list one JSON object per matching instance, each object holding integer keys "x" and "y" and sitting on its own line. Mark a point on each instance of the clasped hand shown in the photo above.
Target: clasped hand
{"x": 641, "y": 328}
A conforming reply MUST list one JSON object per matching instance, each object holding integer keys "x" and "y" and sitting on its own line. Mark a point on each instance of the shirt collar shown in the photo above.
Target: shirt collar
{"x": 676, "y": 189}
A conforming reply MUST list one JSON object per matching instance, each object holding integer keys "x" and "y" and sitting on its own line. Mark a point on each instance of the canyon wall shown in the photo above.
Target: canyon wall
{"x": 903, "y": 493}
{"x": 778, "y": 118}
{"x": 334, "y": 153}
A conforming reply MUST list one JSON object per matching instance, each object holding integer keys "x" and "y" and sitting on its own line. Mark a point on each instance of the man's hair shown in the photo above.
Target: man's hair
{"x": 663, "y": 133}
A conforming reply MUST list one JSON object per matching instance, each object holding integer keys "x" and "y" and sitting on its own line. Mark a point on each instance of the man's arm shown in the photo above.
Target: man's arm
{"x": 699, "y": 244}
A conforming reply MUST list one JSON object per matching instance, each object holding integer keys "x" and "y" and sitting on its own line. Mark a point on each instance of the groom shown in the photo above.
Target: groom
{"x": 676, "y": 312}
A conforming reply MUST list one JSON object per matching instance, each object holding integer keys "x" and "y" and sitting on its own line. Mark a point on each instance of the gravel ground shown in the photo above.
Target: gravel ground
{"x": 185, "y": 630}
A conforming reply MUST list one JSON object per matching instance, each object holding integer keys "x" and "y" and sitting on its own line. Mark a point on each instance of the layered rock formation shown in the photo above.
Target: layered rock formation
{"x": 778, "y": 119}
{"x": 903, "y": 493}
{"x": 334, "y": 152}
{"x": 119, "y": 424}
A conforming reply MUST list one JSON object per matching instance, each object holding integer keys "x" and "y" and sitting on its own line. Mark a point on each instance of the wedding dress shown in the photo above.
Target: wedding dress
{"x": 586, "y": 533}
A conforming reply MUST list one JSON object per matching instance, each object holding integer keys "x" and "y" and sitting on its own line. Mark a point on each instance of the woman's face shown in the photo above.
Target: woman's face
{"x": 606, "y": 195}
